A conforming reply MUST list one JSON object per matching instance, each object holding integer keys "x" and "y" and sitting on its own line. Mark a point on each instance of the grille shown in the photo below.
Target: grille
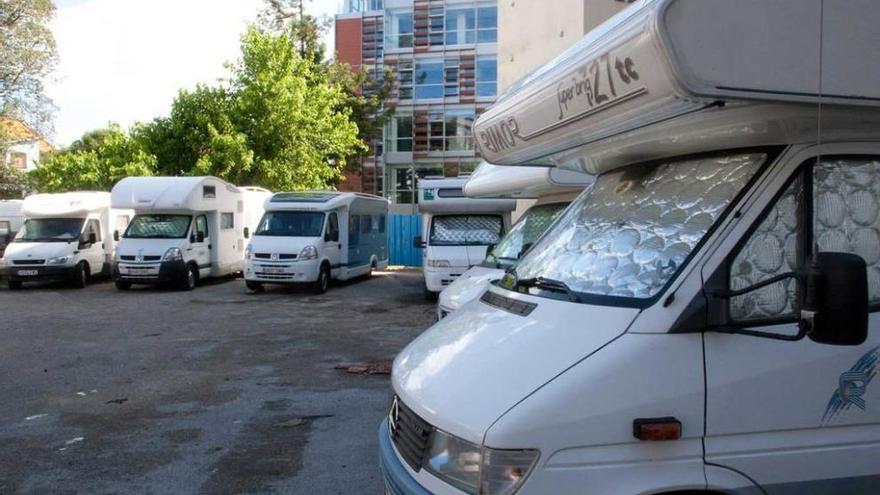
{"x": 28, "y": 262}
{"x": 262, "y": 256}
{"x": 146, "y": 258}
{"x": 267, "y": 256}
{"x": 410, "y": 434}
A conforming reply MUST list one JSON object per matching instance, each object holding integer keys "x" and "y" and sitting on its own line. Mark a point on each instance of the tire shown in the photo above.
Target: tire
{"x": 81, "y": 275}
{"x": 320, "y": 286}
{"x": 192, "y": 278}
{"x": 123, "y": 285}
{"x": 14, "y": 284}
{"x": 430, "y": 296}
{"x": 254, "y": 286}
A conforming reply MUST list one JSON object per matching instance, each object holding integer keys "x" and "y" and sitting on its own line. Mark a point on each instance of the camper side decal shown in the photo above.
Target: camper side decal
{"x": 853, "y": 385}
{"x": 585, "y": 89}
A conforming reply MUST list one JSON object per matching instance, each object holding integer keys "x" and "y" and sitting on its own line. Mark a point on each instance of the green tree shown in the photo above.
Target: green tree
{"x": 13, "y": 182}
{"x": 296, "y": 123}
{"x": 27, "y": 55}
{"x": 95, "y": 162}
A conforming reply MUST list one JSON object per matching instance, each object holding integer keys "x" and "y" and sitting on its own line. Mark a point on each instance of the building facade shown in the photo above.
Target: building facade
{"x": 23, "y": 147}
{"x": 444, "y": 56}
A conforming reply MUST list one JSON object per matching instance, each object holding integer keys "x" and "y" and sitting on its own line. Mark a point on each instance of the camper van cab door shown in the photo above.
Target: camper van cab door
{"x": 92, "y": 252}
{"x": 793, "y": 415}
{"x": 332, "y": 241}
{"x": 201, "y": 244}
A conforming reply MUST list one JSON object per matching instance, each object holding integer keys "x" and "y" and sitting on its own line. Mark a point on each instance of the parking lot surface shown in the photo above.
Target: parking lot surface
{"x": 211, "y": 391}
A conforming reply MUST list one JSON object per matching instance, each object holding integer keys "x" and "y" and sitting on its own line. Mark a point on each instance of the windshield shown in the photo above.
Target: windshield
{"x": 527, "y": 230}
{"x": 629, "y": 234}
{"x": 291, "y": 224}
{"x": 50, "y": 230}
{"x": 158, "y": 227}
{"x": 465, "y": 230}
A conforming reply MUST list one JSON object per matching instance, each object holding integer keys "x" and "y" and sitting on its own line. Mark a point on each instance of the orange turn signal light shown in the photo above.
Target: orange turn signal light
{"x": 657, "y": 429}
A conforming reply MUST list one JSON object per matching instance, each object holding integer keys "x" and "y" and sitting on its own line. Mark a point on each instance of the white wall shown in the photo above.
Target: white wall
{"x": 31, "y": 149}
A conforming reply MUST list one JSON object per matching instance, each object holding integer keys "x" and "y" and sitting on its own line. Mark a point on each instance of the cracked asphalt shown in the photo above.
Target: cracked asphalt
{"x": 214, "y": 391}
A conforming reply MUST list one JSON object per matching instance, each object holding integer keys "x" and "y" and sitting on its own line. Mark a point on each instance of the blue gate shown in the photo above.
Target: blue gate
{"x": 402, "y": 230}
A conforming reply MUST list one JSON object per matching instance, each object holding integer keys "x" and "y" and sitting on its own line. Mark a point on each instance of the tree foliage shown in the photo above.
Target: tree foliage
{"x": 13, "y": 182}
{"x": 95, "y": 162}
{"x": 27, "y": 55}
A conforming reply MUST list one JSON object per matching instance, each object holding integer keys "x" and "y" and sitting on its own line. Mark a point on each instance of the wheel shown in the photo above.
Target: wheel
{"x": 430, "y": 296}
{"x": 81, "y": 275}
{"x": 14, "y": 284}
{"x": 192, "y": 278}
{"x": 253, "y": 286}
{"x": 323, "y": 281}
{"x": 123, "y": 285}
{"x": 372, "y": 267}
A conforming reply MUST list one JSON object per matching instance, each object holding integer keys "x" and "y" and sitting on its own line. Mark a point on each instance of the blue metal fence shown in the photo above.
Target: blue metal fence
{"x": 402, "y": 229}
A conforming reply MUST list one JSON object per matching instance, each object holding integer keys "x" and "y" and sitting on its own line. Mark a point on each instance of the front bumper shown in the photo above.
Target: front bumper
{"x": 277, "y": 272}
{"x": 38, "y": 273}
{"x": 437, "y": 279}
{"x": 165, "y": 272}
{"x": 397, "y": 480}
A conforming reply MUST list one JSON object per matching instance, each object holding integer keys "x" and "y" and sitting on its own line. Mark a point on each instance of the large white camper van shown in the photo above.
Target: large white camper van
{"x": 185, "y": 229}
{"x": 315, "y": 236}
{"x": 456, "y": 230}
{"x": 11, "y": 219}
{"x": 66, "y": 236}
{"x": 553, "y": 189}
{"x": 704, "y": 319}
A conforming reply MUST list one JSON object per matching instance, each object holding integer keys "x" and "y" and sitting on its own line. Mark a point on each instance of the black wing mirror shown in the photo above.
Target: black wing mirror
{"x": 200, "y": 237}
{"x": 247, "y": 233}
{"x": 835, "y": 308}
{"x": 116, "y": 235}
{"x": 417, "y": 242}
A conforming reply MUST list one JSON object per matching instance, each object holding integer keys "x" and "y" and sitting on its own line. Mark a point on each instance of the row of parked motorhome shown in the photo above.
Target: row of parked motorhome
{"x": 704, "y": 317}
{"x": 179, "y": 230}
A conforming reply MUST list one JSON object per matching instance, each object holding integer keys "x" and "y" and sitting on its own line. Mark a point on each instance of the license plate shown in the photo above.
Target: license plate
{"x": 27, "y": 273}
{"x": 274, "y": 270}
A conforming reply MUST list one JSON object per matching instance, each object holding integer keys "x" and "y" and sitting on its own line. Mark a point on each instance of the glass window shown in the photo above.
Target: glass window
{"x": 465, "y": 230}
{"x": 487, "y": 76}
{"x": 403, "y": 180}
{"x": 201, "y": 226}
{"x": 400, "y": 134}
{"x": 526, "y": 232}
{"x": 399, "y": 30}
{"x": 93, "y": 227}
{"x": 122, "y": 223}
{"x": 158, "y": 227}
{"x": 460, "y": 26}
{"x": 5, "y": 228}
{"x": 487, "y": 24}
{"x": 209, "y": 192}
{"x": 632, "y": 232}
{"x": 291, "y": 224}
{"x": 429, "y": 78}
{"x": 772, "y": 249}
{"x": 847, "y": 212}
{"x": 227, "y": 221}
{"x": 451, "y": 131}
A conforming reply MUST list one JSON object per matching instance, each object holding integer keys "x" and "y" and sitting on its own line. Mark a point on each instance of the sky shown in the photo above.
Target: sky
{"x": 124, "y": 61}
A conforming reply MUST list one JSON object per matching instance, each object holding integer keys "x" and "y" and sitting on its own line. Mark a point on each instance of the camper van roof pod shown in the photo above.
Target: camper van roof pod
{"x": 72, "y": 204}
{"x": 170, "y": 193}
{"x": 523, "y": 182}
{"x": 446, "y": 195}
{"x": 694, "y": 61}
{"x": 315, "y": 200}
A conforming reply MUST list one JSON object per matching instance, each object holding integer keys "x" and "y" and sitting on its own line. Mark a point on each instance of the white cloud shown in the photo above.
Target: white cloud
{"x": 125, "y": 60}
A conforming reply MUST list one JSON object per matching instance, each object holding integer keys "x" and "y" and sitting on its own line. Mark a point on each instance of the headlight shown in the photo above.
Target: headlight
{"x": 173, "y": 254}
{"x": 473, "y": 469}
{"x": 308, "y": 253}
{"x": 439, "y": 263}
{"x": 60, "y": 260}
{"x": 248, "y": 252}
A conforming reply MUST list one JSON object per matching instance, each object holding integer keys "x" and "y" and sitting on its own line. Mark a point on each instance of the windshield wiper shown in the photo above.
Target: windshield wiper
{"x": 550, "y": 284}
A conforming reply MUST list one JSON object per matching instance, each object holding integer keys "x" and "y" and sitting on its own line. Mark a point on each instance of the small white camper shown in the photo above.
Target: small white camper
{"x": 11, "y": 219}
{"x": 185, "y": 229}
{"x": 456, "y": 230}
{"x": 553, "y": 189}
{"x": 315, "y": 236}
{"x": 66, "y": 236}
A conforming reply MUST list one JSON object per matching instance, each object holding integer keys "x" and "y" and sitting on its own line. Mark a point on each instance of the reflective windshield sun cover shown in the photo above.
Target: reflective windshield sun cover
{"x": 631, "y": 233}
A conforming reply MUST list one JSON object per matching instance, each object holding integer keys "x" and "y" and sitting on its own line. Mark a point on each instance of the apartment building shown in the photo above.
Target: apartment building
{"x": 444, "y": 54}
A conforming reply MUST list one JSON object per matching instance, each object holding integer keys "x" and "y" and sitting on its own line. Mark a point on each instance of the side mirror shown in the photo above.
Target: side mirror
{"x": 835, "y": 308}
{"x": 334, "y": 236}
{"x": 200, "y": 237}
{"x": 116, "y": 235}
{"x": 524, "y": 249}
{"x": 247, "y": 233}
{"x": 417, "y": 242}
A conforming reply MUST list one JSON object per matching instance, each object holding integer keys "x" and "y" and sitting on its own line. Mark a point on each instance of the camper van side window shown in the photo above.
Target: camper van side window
{"x": 227, "y": 221}
{"x": 93, "y": 227}
{"x": 333, "y": 226}
{"x": 209, "y": 192}
{"x": 122, "y": 223}
{"x": 202, "y": 225}
{"x": 773, "y": 248}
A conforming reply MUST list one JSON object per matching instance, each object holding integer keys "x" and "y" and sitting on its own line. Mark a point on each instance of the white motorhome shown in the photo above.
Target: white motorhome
{"x": 705, "y": 319}
{"x": 456, "y": 230}
{"x": 315, "y": 236}
{"x": 66, "y": 236}
{"x": 185, "y": 229}
{"x": 553, "y": 189}
{"x": 11, "y": 219}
